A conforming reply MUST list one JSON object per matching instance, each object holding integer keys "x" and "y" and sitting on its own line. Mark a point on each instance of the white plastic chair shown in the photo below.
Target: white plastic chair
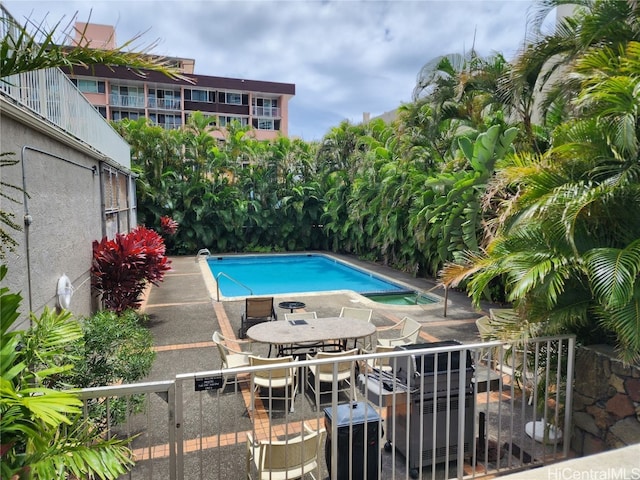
{"x": 300, "y": 316}
{"x": 327, "y": 373}
{"x": 359, "y": 314}
{"x": 410, "y": 330}
{"x": 286, "y": 459}
{"x": 381, "y": 363}
{"x": 282, "y": 377}
{"x": 230, "y": 357}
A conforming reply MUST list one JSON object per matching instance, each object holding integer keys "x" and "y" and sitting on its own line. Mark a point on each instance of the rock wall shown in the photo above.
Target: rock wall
{"x": 606, "y": 402}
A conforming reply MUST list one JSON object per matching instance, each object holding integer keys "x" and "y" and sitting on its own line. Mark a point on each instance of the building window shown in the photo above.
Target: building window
{"x": 264, "y": 123}
{"x": 170, "y": 122}
{"x": 213, "y": 120}
{"x": 227, "y": 120}
{"x": 89, "y": 86}
{"x": 233, "y": 98}
{"x": 119, "y": 202}
{"x": 199, "y": 95}
{"x": 265, "y": 107}
{"x": 122, "y": 114}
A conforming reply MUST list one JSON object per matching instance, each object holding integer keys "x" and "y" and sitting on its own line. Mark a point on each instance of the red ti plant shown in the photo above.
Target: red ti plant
{"x": 121, "y": 267}
{"x": 168, "y": 225}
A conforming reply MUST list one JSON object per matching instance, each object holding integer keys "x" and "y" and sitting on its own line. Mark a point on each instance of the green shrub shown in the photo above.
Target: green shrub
{"x": 116, "y": 349}
{"x": 122, "y": 267}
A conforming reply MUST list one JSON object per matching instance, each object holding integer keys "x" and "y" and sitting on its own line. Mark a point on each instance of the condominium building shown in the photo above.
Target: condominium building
{"x": 121, "y": 92}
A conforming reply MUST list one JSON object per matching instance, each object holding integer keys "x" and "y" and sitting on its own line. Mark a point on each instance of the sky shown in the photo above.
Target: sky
{"x": 345, "y": 57}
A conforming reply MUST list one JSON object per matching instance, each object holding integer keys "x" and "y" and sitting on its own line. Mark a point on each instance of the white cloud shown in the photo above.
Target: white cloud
{"x": 346, "y": 57}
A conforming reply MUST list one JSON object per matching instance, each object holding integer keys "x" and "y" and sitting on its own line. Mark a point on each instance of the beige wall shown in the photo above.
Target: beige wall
{"x": 65, "y": 209}
{"x": 97, "y": 36}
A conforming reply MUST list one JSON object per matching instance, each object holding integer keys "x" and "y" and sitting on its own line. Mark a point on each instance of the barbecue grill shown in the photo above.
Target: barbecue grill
{"x": 431, "y": 404}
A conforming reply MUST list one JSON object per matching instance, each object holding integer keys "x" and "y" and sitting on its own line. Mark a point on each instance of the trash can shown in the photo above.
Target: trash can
{"x": 364, "y": 419}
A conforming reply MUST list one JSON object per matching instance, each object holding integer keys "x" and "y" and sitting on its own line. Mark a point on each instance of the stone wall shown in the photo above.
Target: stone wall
{"x": 606, "y": 405}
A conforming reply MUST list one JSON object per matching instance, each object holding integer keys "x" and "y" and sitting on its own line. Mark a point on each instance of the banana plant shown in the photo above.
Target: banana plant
{"x": 455, "y": 216}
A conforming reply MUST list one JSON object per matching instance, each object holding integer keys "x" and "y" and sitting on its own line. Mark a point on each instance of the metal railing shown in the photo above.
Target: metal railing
{"x": 266, "y": 111}
{"x": 134, "y": 101}
{"x": 459, "y": 423}
{"x": 50, "y": 94}
{"x": 164, "y": 103}
{"x": 237, "y": 282}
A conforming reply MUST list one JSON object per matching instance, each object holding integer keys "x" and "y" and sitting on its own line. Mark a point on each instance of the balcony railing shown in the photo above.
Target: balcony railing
{"x": 170, "y": 126}
{"x": 266, "y": 112}
{"x": 133, "y": 101}
{"x": 52, "y": 96}
{"x": 164, "y": 103}
{"x": 476, "y": 414}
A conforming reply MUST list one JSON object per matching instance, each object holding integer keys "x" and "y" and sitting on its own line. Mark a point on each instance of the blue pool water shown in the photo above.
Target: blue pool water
{"x": 275, "y": 274}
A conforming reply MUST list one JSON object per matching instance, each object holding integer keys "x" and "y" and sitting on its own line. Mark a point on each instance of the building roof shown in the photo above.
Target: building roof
{"x": 203, "y": 81}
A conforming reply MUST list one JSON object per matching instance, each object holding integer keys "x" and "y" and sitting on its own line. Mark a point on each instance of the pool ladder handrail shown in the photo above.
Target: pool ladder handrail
{"x": 202, "y": 252}
{"x": 233, "y": 280}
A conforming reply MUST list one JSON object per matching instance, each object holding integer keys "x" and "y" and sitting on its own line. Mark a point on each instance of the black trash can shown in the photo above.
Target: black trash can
{"x": 363, "y": 417}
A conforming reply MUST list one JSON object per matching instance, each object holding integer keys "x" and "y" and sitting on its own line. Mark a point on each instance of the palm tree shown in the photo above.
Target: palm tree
{"x": 34, "y": 47}
{"x": 569, "y": 247}
{"x": 43, "y": 432}
{"x": 540, "y": 70}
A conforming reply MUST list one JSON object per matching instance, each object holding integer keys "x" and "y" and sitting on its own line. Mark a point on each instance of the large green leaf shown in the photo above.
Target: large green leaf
{"x": 614, "y": 273}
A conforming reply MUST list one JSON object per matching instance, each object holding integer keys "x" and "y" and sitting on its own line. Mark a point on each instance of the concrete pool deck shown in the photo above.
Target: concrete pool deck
{"x": 184, "y": 314}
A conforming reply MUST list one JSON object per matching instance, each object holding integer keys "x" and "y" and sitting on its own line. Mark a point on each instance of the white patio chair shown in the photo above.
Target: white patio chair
{"x": 381, "y": 363}
{"x": 327, "y": 373}
{"x": 282, "y": 377}
{"x": 409, "y": 332}
{"x": 300, "y": 316}
{"x": 230, "y": 357}
{"x": 287, "y": 459}
{"x": 359, "y": 314}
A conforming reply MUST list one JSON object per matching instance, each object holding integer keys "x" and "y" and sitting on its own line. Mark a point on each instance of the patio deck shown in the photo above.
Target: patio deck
{"x": 183, "y": 315}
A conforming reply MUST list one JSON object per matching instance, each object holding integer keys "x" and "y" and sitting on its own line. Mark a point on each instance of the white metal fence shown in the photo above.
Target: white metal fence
{"x": 51, "y": 95}
{"x": 450, "y": 411}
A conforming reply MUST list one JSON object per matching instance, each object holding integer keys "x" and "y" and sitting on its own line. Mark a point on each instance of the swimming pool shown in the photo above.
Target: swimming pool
{"x": 276, "y": 274}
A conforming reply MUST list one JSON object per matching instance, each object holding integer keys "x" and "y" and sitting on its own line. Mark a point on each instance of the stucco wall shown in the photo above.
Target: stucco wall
{"x": 65, "y": 208}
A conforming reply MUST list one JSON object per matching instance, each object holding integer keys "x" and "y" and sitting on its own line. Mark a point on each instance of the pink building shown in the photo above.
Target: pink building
{"x": 119, "y": 92}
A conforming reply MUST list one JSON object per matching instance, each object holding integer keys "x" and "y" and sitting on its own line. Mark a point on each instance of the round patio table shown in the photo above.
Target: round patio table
{"x": 292, "y": 305}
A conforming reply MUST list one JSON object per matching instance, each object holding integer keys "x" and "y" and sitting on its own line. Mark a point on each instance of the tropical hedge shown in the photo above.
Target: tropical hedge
{"x": 515, "y": 180}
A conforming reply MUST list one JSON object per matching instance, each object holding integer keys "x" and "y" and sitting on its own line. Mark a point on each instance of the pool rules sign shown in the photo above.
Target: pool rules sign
{"x": 209, "y": 383}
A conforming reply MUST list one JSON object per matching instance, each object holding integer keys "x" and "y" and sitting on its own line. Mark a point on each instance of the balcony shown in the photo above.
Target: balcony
{"x": 50, "y": 95}
{"x": 265, "y": 112}
{"x": 131, "y": 101}
{"x": 164, "y": 103}
{"x": 192, "y": 427}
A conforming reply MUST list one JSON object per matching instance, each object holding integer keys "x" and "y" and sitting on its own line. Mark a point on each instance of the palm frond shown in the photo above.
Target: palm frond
{"x": 26, "y": 51}
{"x": 614, "y": 274}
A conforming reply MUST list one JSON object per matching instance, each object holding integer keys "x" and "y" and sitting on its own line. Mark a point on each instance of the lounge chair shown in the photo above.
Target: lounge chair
{"x": 257, "y": 310}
